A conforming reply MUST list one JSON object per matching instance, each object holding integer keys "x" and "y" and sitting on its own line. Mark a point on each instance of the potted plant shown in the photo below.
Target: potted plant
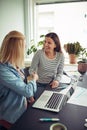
{"x": 82, "y": 63}
{"x": 34, "y": 47}
{"x": 73, "y": 49}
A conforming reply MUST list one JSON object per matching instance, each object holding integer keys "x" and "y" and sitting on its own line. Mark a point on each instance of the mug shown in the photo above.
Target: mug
{"x": 58, "y": 126}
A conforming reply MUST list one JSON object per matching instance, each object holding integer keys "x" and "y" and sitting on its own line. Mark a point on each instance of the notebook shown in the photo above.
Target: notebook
{"x": 52, "y": 100}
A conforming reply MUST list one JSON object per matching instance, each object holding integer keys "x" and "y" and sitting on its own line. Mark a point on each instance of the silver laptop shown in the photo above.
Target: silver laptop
{"x": 54, "y": 101}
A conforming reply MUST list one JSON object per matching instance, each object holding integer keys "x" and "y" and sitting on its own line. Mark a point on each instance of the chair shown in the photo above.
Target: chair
{"x": 26, "y": 72}
{"x": 5, "y": 124}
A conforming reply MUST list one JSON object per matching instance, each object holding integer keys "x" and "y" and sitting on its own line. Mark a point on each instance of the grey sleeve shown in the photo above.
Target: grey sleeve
{"x": 60, "y": 68}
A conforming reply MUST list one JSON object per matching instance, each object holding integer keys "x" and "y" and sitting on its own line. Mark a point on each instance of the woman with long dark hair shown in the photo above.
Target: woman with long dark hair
{"x": 49, "y": 62}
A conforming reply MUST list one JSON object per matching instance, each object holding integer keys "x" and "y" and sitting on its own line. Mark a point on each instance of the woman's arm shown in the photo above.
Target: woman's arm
{"x": 58, "y": 75}
{"x": 12, "y": 80}
{"x": 60, "y": 69}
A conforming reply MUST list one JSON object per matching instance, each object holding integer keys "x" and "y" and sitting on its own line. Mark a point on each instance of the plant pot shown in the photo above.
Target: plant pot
{"x": 82, "y": 67}
{"x": 72, "y": 59}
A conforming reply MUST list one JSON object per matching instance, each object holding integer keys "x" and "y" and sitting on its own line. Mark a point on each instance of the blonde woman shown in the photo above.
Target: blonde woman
{"x": 14, "y": 92}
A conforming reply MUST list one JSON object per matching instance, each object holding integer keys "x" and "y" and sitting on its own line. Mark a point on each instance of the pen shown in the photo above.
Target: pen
{"x": 49, "y": 119}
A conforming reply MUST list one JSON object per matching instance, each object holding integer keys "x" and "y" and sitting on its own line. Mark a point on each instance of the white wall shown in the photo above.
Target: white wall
{"x": 11, "y": 16}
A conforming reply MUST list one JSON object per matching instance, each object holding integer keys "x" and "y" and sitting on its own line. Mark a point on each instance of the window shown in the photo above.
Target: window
{"x": 68, "y": 20}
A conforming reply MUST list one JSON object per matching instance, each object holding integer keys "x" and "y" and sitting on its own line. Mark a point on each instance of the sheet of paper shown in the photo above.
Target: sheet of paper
{"x": 79, "y": 97}
{"x": 65, "y": 79}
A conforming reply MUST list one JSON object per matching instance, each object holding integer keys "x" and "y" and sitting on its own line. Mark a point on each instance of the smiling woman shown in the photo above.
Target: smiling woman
{"x": 48, "y": 62}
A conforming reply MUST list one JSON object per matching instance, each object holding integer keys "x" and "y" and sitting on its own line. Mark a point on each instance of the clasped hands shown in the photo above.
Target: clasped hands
{"x": 33, "y": 76}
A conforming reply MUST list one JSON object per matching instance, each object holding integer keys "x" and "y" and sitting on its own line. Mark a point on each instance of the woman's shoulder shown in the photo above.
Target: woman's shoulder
{"x": 6, "y": 65}
{"x": 60, "y": 54}
{"x": 6, "y": 68}
{"x": 40, "y": 51}
{"x": 3, "y": 66}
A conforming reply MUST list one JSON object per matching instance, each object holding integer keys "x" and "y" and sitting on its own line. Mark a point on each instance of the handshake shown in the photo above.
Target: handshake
{"x": 33, "y": 76}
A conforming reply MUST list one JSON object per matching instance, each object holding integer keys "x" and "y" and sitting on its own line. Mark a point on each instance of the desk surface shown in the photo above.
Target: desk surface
{"x": 73, "y": 116}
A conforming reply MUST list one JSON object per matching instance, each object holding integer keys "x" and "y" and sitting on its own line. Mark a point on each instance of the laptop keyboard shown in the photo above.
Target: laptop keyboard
{"x": 54, "y": 101}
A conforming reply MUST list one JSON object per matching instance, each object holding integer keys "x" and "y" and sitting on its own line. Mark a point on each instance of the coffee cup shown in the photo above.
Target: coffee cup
{"x": 58, "y": 126}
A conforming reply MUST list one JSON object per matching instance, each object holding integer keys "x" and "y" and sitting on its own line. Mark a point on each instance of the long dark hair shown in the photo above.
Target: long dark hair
{"x": 56, "y": 40}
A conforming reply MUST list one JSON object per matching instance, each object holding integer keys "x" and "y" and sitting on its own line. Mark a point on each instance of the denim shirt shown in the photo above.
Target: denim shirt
{"x": 13, "y": 93}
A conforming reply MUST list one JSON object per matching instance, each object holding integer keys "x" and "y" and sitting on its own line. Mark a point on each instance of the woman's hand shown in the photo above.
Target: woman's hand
{"x": 31, "y": 99}
{"x": 54, "y": 84}
{"x": 33, "y": 76}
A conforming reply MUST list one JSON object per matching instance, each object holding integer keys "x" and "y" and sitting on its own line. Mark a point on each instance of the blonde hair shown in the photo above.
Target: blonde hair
{"x": 12, "y": 49}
